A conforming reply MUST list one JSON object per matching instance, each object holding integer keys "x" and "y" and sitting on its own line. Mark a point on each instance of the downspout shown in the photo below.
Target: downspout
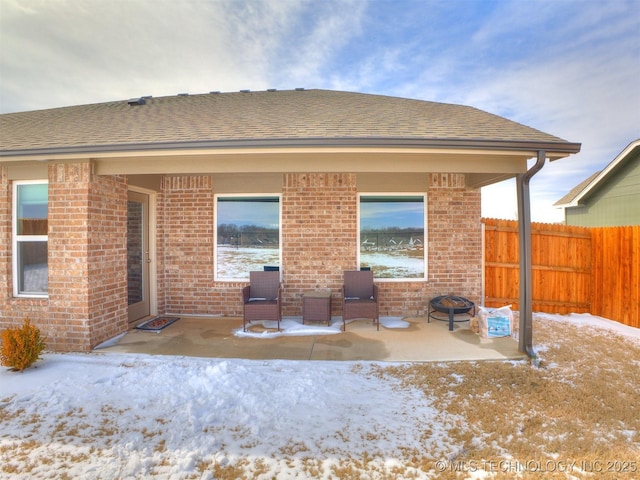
{"x": 525, "y": 343}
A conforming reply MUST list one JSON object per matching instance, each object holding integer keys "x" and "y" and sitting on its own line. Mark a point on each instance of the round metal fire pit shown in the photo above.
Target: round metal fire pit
{"x": 452, "y": 305}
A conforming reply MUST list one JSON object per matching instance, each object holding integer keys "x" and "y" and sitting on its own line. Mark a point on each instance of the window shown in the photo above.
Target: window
{"x": 392, "y": 235}
{"x": 30, "y": 212}
{"x": 247, "y": 235}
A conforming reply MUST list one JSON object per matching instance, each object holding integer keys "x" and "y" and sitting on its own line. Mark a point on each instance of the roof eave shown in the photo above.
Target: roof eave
{"x": 554, "y": 150}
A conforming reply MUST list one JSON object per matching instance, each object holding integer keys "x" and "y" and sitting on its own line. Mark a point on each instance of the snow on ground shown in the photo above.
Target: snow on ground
{"x": 237, "y": 262}
{"x": 138, "y": 411}
{"x": 593, "y": 321}
{"x": 137, "y": 416}
{"x": 293, "y": 327}
{"x": 393, "y": 264}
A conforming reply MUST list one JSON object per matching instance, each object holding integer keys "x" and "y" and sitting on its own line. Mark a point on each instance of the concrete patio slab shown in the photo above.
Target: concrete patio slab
{"x": 420, "y": 342}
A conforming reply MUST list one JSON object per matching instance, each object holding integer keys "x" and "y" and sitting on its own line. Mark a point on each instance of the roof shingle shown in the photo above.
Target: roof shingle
{"x": 251, "y": 116}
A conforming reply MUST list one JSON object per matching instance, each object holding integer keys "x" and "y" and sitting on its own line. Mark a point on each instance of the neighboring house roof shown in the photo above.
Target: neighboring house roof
{"x": 272, "y": 118}
{"x": 586, "y": 187}
{"x": 575, "y": 191}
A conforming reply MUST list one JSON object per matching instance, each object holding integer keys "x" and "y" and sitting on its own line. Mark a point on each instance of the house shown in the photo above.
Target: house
{"x": 117, "y": 211}
{"x": 608, "y": 198}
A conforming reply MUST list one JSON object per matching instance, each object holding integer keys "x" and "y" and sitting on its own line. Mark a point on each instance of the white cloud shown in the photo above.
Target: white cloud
{"x": 72, "y": 52}
{"x": 323, "y": 30}
{"x": 75, "y": 52}
{"x": 567, "y": 68}
{"x": 581, "y": 85}
{"x": 594, "y": 101}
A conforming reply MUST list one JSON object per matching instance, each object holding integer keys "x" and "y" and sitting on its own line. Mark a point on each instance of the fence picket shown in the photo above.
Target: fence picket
{"x": 575, "y": 269}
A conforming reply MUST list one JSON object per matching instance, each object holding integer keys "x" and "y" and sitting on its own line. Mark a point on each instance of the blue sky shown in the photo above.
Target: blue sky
{"x": 377, "y": 215}
{"x": 567, "y": 67}
{"x": 260, "y": 214}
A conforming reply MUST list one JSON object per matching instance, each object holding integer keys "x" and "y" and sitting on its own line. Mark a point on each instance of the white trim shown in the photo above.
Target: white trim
{"x": 424, "y": 196}
{"x": 216, "y": 196}
{"x": 15, "y": 239}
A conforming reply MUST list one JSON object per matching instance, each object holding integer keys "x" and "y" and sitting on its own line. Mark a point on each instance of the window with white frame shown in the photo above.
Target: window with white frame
{"x": 247, "y": 235}
{"x": 30, "y": 238}
{"x": 391, "y": 235}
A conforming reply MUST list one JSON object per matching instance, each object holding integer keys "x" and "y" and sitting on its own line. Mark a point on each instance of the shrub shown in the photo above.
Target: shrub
{"x": 21, "y": 347}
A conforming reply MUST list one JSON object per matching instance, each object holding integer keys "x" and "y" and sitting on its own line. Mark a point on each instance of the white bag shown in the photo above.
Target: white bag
{"x": 495, "y": 322}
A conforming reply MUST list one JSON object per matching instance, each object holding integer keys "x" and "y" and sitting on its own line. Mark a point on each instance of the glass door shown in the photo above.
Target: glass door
{"x": 138, "y": 258}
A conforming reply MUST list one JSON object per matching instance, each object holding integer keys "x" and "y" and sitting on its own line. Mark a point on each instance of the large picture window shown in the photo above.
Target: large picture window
{"x": 30, "y": 239}
{"x": 392, "y": 235}
{"x": 247, "y": 235}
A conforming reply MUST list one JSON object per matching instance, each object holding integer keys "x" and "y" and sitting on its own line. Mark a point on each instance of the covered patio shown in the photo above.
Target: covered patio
{"x": 420, "y": 341}
{"x": 170, "y": 217}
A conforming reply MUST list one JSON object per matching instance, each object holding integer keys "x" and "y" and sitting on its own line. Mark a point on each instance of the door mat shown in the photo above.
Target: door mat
{"x": 157, "y": 324}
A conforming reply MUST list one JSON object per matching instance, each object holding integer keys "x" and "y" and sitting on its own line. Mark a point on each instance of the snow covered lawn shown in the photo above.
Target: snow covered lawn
{"x": 112, "y": 416}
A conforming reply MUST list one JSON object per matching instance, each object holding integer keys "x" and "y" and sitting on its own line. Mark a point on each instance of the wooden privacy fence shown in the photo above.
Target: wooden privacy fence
{"x": 575, "y": 269}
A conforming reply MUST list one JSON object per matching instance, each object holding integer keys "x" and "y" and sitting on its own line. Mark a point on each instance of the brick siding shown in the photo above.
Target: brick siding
{"x": 12, "y": 311}
{"x": 319, "y": 241}
{"x": 87, "y": 301}
{"x": 455, "y": 238}
{"x": 319, "y": 235}
{"x": 187, "y": 224}
{"x": 107, "y": 257}
{"x": 87, "y": 255}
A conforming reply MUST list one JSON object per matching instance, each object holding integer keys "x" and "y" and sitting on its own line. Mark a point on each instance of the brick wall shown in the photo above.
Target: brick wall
{"x": 12, "y": 311}
{"x": 319, "y": 235}
{"x": 87, "y": 256}
{"x": 187, "y": 233}
{"x": 455, "y": 237}
{"x": 107, "y": 257}
{"x": 87, "y": 250}
{"x": 86, "y": 253}
{"x": 66, "y": 323}
{"x": 5, "y": 245}
{"x": 454, "y": 257}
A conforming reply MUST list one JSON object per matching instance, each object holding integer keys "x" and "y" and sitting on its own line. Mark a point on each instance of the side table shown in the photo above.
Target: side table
{"x": 316, "y": 306}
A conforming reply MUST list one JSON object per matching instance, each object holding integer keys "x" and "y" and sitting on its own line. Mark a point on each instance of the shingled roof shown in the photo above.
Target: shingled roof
{"x": 587, "y": 186}
{"x": 294, "y": 117}
{"x": 575, "y": 191}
